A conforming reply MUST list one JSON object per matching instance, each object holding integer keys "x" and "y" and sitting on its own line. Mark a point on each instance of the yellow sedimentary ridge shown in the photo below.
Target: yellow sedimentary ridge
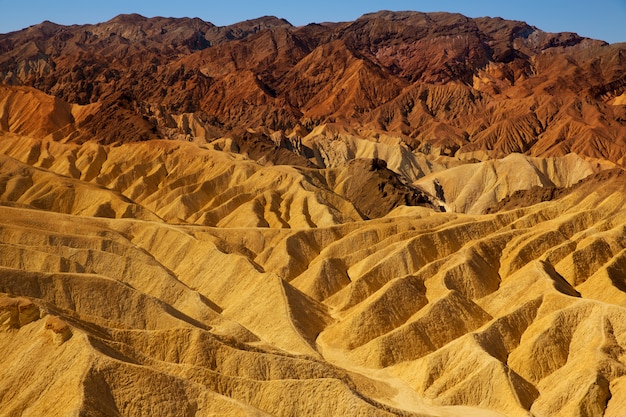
{"x": 171, "y": 278}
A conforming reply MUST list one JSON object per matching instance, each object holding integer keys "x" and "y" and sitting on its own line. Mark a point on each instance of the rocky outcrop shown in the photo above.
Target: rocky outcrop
{"x": 17, "y": 312}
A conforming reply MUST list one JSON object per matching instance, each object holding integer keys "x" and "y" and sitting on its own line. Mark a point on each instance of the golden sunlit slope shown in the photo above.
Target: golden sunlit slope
{"x": 180, "y": 182}
{"x": 474, "y": 187}
{"x": 171, "y": 278}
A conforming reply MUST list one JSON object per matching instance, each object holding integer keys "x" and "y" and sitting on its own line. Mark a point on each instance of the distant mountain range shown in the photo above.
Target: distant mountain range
{"x": 444, "y": 82}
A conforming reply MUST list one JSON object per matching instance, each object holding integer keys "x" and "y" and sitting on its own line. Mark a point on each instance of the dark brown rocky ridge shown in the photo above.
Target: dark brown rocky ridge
{"x": 446, "y": 82}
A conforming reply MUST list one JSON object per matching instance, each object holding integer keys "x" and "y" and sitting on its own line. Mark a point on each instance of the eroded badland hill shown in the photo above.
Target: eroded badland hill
{"x": 409, "y": 214}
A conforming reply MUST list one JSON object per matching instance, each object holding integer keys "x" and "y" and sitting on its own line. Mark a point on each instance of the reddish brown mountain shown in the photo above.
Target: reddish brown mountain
{"x": 445, "y": 82}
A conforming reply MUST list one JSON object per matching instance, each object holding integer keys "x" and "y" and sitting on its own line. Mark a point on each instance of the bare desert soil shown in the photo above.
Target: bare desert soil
{"x": 405, "y": 215}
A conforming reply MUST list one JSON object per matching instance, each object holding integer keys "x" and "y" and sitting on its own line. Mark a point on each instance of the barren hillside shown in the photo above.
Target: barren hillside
{"x": 405, "y": 215}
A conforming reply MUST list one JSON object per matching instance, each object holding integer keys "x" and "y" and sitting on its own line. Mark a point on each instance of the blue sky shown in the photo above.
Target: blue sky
{"x": 600, "y": 19}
